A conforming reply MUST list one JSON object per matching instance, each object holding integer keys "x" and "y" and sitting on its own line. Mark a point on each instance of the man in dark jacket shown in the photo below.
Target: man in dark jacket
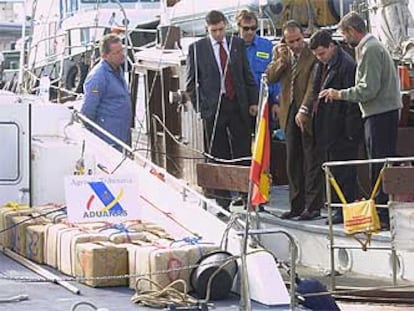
{"x": 223, "y": 90}
{"x": 337, "y": 128}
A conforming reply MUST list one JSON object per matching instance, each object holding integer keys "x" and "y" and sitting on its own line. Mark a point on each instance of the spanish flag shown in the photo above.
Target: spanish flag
{"x": 259, "y": 170}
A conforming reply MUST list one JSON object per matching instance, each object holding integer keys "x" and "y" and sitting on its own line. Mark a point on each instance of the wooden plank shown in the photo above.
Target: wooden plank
{"x": 405, "y": 147}
{"x": 398, "y": 180}
{"x": 223, "y": 177}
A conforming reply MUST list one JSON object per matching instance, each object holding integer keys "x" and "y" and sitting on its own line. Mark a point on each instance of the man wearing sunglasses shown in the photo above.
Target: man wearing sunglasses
{"x": 259, "y": 53}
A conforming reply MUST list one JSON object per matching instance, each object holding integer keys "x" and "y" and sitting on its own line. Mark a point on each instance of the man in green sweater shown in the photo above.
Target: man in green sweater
{"x": 378, "y": 93}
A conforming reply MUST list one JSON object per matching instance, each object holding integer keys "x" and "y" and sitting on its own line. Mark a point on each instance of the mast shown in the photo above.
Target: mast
{"x": 22, "y": 60}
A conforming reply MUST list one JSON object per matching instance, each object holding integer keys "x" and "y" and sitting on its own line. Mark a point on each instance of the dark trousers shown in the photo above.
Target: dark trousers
{"x": 303, "y": 167}
{"x": 381, "y": 132}
{"x": 346, "y": 176}
{"x": 227, "y": 138}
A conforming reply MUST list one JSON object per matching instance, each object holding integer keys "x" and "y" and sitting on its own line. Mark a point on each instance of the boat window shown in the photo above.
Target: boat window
{"x": 129, "y": 1}
{"x": 52, "y": 41}
{"x": 9, "y": 132}
{"x": 94, "y": 1}
{"x": 74, "y": 6}
{"x": 85, "y": 36}
{"x": 71, "y": 7}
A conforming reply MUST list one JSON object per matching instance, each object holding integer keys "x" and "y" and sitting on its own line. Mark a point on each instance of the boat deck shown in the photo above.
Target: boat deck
{"x": 44, "y": 295}
{"x": 52, "y": 297}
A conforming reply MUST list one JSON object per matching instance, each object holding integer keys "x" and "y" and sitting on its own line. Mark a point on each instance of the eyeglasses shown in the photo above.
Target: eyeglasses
{"x": 247, "y": 28}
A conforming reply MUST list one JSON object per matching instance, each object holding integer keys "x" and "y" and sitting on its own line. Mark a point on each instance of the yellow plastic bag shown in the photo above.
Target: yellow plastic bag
{"x": 360, "y": 217}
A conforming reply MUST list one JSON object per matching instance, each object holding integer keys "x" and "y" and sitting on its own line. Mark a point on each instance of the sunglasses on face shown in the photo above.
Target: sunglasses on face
{"x": 247, "y": 28}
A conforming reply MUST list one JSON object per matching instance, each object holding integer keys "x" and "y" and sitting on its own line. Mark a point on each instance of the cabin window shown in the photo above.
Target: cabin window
{"x": 71, "y": 7}
{"x": 94, "y": 1}
{"x": 9, "y": 157}
{"x": 129, "y": 1}
{"x": 74, "y": 6}
{"x": 85, "y": 36}
{"x": 52, "y": 42}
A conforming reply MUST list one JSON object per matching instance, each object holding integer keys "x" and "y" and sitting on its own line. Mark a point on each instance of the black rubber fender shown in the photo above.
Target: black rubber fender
{"x": 76, "y": 77}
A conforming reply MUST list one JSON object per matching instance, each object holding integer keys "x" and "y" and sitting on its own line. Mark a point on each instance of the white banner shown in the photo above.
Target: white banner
{"x": 102, "y": 198}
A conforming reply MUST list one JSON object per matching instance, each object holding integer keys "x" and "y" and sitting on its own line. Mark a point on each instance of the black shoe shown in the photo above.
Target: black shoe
{"x": 260, "y": 208}
{"x": 238, "y": 202}
{"x": 289, "y": 215}
{"x": 224, "y": 203}
{"x": 306, "y": 215}
{"x": 385, "y": 226}
{"x": 337, "y": 218}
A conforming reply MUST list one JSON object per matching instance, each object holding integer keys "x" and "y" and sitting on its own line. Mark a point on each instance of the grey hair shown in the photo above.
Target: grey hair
{"x": 353, "y": 20}
{"x": 106, "y": 41}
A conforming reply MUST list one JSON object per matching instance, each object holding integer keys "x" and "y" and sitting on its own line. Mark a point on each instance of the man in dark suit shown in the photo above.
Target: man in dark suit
{"x": 337, "y": 128}
{"x": 223, "y": 90}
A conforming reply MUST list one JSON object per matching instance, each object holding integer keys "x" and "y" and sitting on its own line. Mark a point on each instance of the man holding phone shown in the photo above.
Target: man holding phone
{"x": 292, "y": 66}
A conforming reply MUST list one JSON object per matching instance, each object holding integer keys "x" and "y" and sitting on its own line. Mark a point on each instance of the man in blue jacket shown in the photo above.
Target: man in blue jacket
{"x": 107, "y": 101}
{"x": 259, "y": 54}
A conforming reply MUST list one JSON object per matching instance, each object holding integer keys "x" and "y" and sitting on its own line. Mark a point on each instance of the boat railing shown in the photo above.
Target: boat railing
{"x": 125, "y": 148}
{"x": 191, "y": 195}
{"x": 327, "y": 167}
{"x": 64, "y": 55}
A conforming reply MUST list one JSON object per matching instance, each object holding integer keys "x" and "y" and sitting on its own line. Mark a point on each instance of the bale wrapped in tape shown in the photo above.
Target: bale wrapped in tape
{"x": 96, "y": 260}
{"x": 118, "y": 233}
{"x": 195, "y": 248}
{"x": 53, "y": 212}
{"x": 153, "y": 238}
{"x": 133, "y": 260}
{"x": 164, "y": 263}
{"x": 52, "y": 242}
{"x": 67, "y": 249}
{"x": 136, "y": 225}
{"x": 93, "y": 226}
{"x": 12, "y": 209}
{"x": 157, "y": 230}
{"x": 58, "y": 217}
{"x": 35, "y": 239}
{"x": 20, "y": 224}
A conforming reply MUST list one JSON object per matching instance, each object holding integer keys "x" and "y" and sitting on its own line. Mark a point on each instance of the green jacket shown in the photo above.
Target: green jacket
{"x": 377, "y": 86}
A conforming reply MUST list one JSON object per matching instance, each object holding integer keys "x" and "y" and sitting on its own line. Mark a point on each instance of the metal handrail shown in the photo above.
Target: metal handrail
{"x": 326, "y": 167}
{"x": 116, "y": 140}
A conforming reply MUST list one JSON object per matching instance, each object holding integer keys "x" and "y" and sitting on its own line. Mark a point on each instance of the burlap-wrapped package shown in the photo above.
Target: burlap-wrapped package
{"x": 52, "y": 242}
{"x": 164, "y": 263}
{"x": 6, "y": 212}
{"x": 93, "y": 226}
{"x": 120, "y": 234}
{"x": 35, "y": 239}
{"x": 100, "y": 260}
{"x": 66, "y": 252}
{"x": 18, "y": 232}
{"x": 53, "y": 212}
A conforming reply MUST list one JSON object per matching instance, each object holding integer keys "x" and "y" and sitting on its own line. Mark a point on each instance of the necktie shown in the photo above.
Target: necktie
{"x": 228, "y": 79}
{"x": 293, "y": 70}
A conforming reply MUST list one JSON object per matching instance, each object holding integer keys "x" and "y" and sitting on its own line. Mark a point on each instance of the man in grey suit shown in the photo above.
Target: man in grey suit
{"x": 223, "y": 90}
